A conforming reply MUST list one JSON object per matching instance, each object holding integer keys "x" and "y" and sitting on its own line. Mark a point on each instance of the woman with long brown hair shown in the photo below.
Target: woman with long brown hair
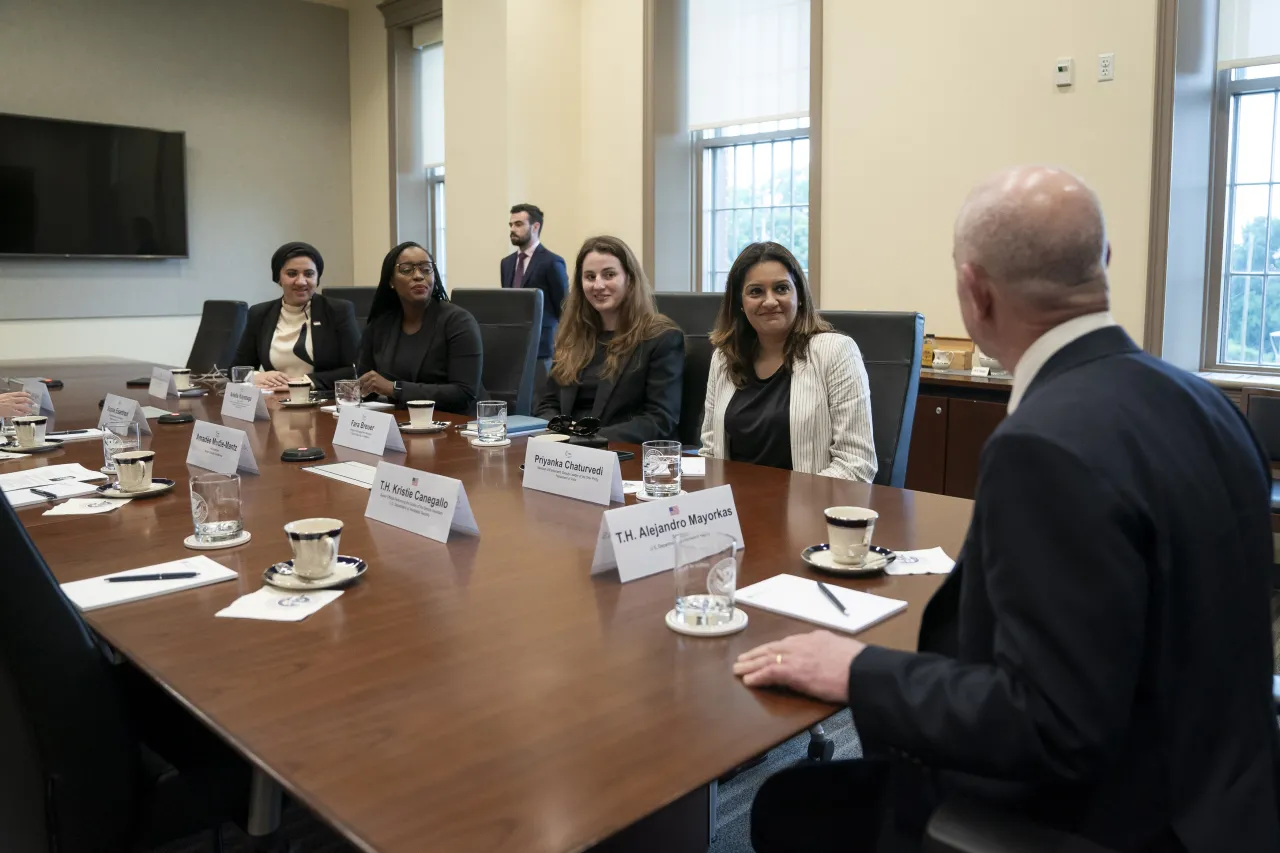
{"x": 616, "y": 358}
{"x": 786, "y": 389}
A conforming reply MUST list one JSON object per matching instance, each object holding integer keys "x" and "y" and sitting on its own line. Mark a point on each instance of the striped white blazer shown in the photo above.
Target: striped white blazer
{"x": 830, "y": 411}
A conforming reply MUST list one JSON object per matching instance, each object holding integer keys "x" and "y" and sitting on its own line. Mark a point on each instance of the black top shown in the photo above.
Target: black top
{"x": 408, "y": 351}
{"x": 590, "y": 380}
{"x": 335, "y": 338}
{"x": 757, "y": 421}
{"x": 441, "y": 362}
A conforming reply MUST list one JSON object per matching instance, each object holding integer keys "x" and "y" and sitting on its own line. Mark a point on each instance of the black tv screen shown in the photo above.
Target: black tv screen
{"x": 70, "y": 188}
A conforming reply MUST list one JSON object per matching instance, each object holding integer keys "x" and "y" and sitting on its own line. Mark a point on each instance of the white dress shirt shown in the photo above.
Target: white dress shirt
{"x": 1048, "y": 345}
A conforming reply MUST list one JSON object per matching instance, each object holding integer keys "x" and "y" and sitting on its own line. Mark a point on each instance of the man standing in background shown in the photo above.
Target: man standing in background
{"x": 533, "y": 265}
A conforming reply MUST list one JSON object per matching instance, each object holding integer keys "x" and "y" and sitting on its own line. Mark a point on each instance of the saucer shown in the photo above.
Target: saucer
{"x": 641, "y": 496}
{"x": 733, "y": 626}
{"x": 475, "y": 442}
{"x": 159, "y": 485}
{"x": 348, "y": 570}
{"x": 819, "y": 557}
{"x": 243, "y": 537}
{"x": 305, "y": 404}
{"x": 436, "y": 426}
{"x": 13, "y": 447}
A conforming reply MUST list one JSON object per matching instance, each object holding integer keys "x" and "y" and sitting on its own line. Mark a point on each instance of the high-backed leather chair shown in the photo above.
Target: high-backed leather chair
{"x": 221, "y": 327}
{"x": 510, "y": 323}
{"x": 360, "y": 297}
{"x": 695, "y": 313}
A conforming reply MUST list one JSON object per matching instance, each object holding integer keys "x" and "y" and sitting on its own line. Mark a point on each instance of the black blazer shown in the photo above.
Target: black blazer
{"x": 545, "y": 270}
{"x": 1100, "y": 658}
{"x": 450, "y": 371}
{"x": 335, "y": 338}
{"x": 642, "y": 404}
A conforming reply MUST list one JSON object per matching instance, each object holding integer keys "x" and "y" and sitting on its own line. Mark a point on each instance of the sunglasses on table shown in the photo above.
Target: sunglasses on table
{"x": 426, "y": 268}
{"x": 565, "y": 425}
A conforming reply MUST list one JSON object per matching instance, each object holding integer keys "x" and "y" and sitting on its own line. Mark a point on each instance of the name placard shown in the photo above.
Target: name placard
{"x": 581, "y": 473}
{"x": 639, "y": 539}
{"x": 426, "y": 504}
{"x": 222, "y": 449}
{"x": 367, "y": 430}
{"x": 162, "y": 384}
{"x": 244, "y": 402}
{"x": 117, "y": 409}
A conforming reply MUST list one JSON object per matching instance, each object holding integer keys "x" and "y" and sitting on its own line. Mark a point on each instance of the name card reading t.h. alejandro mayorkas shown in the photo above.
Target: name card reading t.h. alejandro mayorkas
{"x": 639, "y": 539}
{"x": 221, "y": 449}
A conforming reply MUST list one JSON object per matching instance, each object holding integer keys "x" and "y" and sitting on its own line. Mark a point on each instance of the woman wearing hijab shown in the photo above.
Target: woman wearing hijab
{"x": 302, "y": 334}
{"x": 418, "y": 345}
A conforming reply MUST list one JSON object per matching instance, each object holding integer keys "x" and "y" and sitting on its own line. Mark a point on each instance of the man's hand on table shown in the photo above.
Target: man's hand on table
{"x": 816, "y": 664}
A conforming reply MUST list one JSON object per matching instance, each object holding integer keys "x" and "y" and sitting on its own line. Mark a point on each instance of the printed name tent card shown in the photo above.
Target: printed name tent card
{"x": 162, "y": 384}
{"x": 367, "y": 431}
{"x": 244, "y": 402}
{"x": 581, "y": 473}
{"x": 117, "y": 409}
{"x": 426, "y": 504}
{"x": 40, "y": 393}
{"x": 639, "y": 540}
{"x": 221, "y": 449}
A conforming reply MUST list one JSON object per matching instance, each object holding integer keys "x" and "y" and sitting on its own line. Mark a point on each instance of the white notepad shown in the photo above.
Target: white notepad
{"x": 376, "y": 405}
{"x": 800, "y": 598}
{"x": 354, "y": 473}
{"x": 97, "y": 592}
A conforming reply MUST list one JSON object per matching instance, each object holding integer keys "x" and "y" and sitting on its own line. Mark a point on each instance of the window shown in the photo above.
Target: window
{"x": 755, "y": 186}
{"x": 427, "y": 38}
{"x": 435, "y": 216}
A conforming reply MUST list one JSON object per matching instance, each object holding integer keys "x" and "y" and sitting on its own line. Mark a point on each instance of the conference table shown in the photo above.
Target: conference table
{"x": 484, "y": 694}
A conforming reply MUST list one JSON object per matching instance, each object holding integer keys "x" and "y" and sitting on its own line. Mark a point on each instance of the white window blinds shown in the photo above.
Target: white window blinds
{"x": 748, "y": 61}
{"x": 432, "y": 59}
{"x": 1248, "y": 33}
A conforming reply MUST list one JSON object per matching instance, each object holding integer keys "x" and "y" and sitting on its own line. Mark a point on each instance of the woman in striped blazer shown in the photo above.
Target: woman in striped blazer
{"x": 786, "y": 389}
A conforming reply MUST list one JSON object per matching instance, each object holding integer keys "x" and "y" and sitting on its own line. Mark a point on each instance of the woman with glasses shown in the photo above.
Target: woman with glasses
{"x": 303, "y": 333}
{"x": 419, "y": 345}
{"x": 786, "y": 389}
{"x": 617, "y": 360}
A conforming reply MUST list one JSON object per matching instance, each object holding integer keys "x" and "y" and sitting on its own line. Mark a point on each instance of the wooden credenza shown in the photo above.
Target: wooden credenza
{"x": 955, "y": 415}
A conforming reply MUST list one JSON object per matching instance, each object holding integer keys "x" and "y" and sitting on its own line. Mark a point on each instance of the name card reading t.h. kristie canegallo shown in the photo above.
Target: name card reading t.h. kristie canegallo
{"x": 244, "y": 402}
{"x": 117, "y": 409}
{"x": 426, "y": 504}
{"x": 367, "y": 430}
{"x": 221, "y": 449}
{"x": 640, "y": 539}
{"x": 582, "y": 473}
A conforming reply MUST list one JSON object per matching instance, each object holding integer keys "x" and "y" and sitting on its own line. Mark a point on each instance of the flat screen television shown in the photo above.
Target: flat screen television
{"x": 75, "y": 189}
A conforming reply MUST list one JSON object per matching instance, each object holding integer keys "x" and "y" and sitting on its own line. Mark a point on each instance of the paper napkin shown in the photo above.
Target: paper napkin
{"x": 278, "y": 605}
{"x": 931, "y": 561}
{"x": 86, "y": 506}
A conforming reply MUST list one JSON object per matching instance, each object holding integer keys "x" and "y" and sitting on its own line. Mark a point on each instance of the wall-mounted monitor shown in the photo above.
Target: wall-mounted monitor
{"x": 74, "y": 189}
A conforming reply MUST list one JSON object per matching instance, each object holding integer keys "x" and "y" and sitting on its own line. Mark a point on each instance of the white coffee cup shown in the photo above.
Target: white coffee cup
{"x": 849, "y": 531}
{"x": 422, "y": 413}
{"x": 315, "y": 546}
{"x": 181, "y": 378}
{"x": 133, "y": 469}
{"x": 28, "y": 430}
{"x": 941, "y": 359}
{"x": 299, "y": 390}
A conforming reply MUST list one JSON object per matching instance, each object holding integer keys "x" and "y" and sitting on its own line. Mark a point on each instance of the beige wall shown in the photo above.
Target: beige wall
{"x": 370, "y": 149}
{"x": 911, "y": 123}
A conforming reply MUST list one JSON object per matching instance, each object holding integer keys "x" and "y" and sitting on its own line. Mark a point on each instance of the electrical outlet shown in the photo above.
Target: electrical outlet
{"x": 1106, "y": 67}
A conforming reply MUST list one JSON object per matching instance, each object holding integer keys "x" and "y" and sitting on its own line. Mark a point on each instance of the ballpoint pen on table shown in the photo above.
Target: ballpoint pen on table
{"x": 168, "y": 576}
{"x": 832, "y": 598}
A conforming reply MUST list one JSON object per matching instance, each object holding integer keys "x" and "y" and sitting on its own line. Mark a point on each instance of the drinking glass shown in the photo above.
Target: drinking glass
{"x": 240, "y": 374}
{"x": 119, "y": 437}
{"x": 215, "y": 507}
{"x": 491, "y": 421}
{"x": 346, "y": 392}
{"x": 706, "y": 574}
{"x": 661, "y": 468}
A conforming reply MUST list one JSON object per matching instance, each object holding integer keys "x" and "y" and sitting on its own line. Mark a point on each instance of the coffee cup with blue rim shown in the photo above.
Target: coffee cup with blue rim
{"x": 315, "y": 546}
{"x": 849, "y": 532}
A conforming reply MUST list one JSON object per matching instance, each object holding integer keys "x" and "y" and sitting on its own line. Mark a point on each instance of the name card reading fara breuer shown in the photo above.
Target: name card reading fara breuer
{"x": 367, "y": 431}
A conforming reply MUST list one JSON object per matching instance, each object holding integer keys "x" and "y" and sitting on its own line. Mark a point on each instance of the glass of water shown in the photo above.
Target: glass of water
{"x": 491, "y": 421}
{"x": 347, "y": 393}
{"x": 661, "y": 467}
{"x": 215, "y": 507}
{"x": 119, "y": 437}
{"x": 240, "y": 374}
{"x": 706, "y": 574}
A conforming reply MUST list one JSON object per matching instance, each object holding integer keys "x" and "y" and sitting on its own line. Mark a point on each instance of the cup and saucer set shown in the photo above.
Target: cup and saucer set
{"x": 422, "y": 418}
{"x": 316, "y": 563}
{"x": 849, "y": 552}
{"x": 28, "y": 436}
{"x": 133, "y": 477}
{"x": 300, "y": 395}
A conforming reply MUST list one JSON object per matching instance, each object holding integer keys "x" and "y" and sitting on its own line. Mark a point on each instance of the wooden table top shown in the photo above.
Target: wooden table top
{"x": 964, "y": 379}
{"x": 485, "y": 694}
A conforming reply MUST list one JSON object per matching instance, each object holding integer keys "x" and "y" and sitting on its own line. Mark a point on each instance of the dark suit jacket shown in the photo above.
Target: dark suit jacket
{"x": 642, "y": 404}
{"x": 544, "y": 270}
{"x": 1100, "y": 658}
{"x": 450, "y": 371}
{"x": 335, "y": 338}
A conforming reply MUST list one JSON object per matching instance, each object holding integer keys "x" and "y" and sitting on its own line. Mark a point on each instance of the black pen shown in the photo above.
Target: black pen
{"x": 831, "y": 597}
{"x": 169, "y": 576}
{"x": 66, "y": 432}
{"x": 50, "y": 495}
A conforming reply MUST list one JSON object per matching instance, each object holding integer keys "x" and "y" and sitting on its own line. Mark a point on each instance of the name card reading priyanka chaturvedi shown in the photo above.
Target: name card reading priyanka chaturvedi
{"x": 368, "y": 431}
{"x": 581, "y": 473}
{"x": 639, "y": 540}
{"x": 244, "y": 402}
{"x": 426, "y": 504}
{"x": 221, "y": 449}
{"x": 117, "y": 409}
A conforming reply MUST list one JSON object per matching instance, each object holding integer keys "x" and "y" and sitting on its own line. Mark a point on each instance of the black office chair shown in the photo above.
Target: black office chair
{"x": 693, "y": 393}
{"x": 891, "y": 344}
{"x": 1262, "y": 409}
{"x": 510, "y": 326}
{"x": 221, "y": 327}
{"x": 962, "y": 827}
{"x": 360, "y": 297}
{"x": 74, "y": 775}
{"x": 694, "y": 313}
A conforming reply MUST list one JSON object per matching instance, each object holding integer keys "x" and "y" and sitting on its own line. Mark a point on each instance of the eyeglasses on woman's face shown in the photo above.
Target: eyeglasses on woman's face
{"x": 425, "y": 267}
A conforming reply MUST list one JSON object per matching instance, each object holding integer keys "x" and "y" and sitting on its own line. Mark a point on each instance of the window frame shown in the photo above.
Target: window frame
{"x": 1221, "y": 218}
{"x": 700, "y": 145}
{"x": 435, "y": 178}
